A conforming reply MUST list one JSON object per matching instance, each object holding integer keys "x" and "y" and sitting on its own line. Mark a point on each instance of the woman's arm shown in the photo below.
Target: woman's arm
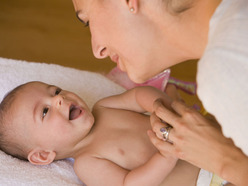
{"x": 200, "y": 142}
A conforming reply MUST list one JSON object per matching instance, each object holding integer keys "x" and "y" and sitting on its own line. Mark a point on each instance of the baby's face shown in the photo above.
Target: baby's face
{"x": 51, "y": 118}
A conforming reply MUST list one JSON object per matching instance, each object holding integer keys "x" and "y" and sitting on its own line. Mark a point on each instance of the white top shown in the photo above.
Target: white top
{"x": 222, "y": 76}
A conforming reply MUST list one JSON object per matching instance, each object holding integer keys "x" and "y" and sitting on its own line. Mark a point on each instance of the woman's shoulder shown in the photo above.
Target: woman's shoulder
{"x": 229, "y": 23}
{"x": 222, "y": 71}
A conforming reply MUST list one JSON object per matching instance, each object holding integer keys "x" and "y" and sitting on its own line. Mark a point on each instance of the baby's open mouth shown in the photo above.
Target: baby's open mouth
{"x": 74, "y": 112}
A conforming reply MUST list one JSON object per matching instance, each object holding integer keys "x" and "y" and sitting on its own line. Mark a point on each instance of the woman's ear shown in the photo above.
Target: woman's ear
{"x": 133, "y": 5}
{"x": 41, "y": 157}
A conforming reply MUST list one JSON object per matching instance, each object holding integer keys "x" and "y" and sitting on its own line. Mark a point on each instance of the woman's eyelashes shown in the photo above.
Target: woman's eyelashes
{"x": 82, "y": 18}
{"x": 86, "y": 24}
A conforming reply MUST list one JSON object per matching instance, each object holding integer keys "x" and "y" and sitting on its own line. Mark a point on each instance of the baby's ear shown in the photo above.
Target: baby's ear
{"x": 41, "y": 157}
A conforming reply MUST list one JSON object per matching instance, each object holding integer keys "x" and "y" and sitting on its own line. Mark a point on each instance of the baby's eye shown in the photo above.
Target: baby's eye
{"x": 45, "y": 111}
{"x": 57, "y": 91}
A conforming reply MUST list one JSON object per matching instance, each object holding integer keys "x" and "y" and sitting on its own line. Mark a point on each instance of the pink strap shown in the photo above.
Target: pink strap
{"x": 159, "y": 81}
{"x": 122, "y": 79}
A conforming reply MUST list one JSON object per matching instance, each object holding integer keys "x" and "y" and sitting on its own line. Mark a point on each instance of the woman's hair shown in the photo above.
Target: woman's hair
{"x": 7, "y": 145}
{"x": 176, "y": 7}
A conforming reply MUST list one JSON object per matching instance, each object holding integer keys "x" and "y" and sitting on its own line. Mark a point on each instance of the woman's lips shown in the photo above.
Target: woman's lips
{"x": 116, "y": 59}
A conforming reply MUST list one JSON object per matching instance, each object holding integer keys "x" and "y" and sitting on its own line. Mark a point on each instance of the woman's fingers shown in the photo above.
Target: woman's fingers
{"x": 194, "y": 138}
{"x": 157, "y": 125}
{"x": 164, "y": 113}
{"x": 156, "y": 122}
{"x": 163, "y": 147}
{"x": 180, "y": 107}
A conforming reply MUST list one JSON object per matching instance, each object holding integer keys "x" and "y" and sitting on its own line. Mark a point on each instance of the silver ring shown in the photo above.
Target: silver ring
{"x": 166, "y": 131}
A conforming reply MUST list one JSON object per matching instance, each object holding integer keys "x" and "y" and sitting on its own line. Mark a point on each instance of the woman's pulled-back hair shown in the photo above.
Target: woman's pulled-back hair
{"x": 6, "y": 144}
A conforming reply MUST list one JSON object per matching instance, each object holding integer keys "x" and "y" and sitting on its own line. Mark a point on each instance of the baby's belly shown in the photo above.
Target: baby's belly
{"x": 126, "y": 143}
{"x": 133, "y": 155}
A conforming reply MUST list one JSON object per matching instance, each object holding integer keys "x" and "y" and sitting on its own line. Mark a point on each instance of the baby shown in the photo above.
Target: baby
{"x": 42, "y": 123}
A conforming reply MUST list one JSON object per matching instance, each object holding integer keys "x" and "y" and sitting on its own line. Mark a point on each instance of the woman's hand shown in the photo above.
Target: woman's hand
{"x": 197, "y": 140}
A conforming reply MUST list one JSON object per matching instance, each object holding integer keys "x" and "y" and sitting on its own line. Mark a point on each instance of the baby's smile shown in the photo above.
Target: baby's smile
{"x": 75, "y": 111}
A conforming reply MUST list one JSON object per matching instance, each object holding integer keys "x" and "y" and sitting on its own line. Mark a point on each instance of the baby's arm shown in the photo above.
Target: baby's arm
{"x": 94, "y": 171}
{"x": 153, "y": 172}
{"x": 139, "y": 99}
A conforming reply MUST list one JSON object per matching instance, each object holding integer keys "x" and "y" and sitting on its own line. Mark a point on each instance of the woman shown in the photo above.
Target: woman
{"x": 145, "y": 37}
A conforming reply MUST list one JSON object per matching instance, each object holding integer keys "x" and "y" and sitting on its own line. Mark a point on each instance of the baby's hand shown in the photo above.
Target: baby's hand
{"x": 171, "y": 91}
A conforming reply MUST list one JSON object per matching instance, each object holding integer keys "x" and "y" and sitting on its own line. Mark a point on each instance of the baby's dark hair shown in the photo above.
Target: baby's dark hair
{"x": 6, "y": 144}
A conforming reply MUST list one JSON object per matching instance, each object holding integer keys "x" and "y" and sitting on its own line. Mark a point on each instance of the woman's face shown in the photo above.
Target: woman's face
{"x": 134, "y": 40}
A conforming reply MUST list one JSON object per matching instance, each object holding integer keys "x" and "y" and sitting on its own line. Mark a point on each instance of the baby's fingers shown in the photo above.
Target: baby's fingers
{"x": 172, "y": 92}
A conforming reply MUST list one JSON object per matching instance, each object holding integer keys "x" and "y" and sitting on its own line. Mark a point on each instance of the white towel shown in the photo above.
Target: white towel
{"x": 88, "y": 85}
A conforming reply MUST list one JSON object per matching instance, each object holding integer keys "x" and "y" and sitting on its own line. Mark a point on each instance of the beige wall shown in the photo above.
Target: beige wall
{"x": 46, "y": 31}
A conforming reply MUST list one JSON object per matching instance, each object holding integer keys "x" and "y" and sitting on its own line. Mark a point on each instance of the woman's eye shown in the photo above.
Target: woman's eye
{"x": 57, "y": 91}
{"x": 45, "y": 111}
{"x": 82, "y": 18}
{"x": 87, "y": 24}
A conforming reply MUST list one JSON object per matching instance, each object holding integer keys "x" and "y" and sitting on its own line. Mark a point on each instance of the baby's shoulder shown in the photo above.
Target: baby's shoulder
{"x": 82, "y": 161}
{"x": 86, "y": 158}
{"x": 84, "y": 166}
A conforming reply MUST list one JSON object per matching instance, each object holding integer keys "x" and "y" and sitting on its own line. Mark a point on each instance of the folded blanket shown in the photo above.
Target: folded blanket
{"x": 88, "y": 85}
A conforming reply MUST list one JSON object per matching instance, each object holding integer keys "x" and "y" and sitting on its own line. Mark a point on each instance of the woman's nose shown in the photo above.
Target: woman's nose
{"x": 99, "y": 51}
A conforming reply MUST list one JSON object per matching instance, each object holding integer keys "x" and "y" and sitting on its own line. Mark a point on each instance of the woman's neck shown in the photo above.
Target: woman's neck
{"x": 196, "y": 22}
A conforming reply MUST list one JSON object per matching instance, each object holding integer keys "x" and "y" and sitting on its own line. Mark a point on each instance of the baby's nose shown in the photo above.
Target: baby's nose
{"x": 58, "y": 100}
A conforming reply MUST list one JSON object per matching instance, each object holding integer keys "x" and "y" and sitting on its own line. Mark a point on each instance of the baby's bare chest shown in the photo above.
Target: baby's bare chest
{"x": 122, "y": 138}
